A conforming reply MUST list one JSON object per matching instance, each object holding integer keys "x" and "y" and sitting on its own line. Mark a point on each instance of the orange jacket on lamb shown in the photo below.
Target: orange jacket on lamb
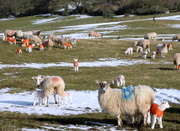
{"x": 76, "y": 64}
{"x": 155, "y": 110}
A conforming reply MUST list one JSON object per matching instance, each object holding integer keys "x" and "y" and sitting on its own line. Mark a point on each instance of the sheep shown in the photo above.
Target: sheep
{"x": 41, "y": 47}
{"x": 34, "y": 38}
{"x": 76, "y": 65}
{"x": 48, "y": 43}
{"x": 162, "y": 49}
{"x": 144, "y": 54}
{"x": 38, "y": 95}
{"x": 8, "y": 33}
{"x": 19, "y": 51}
{"x": 129, "y": 51}
{"x": 29, "y": 47}
{"x": 19, "y": 34}
{"x": 65, "y": 96}
{"x": 145, "y": 44}
{"x": 150, "y": 36}
{"x": 176, "y": 61}
{"x": 67, "y": 46}
{"x": 59, "y": 40}
{"x": 153, "y": 55}
{"x": 11, "y": 40}
{"x": 73, "y": 41}
{"x": 95, "y": 34}
{"x": 169, "y": 46}
{"x": 50, "y": 85}
{"x": 176, "y": 37}
{"x": 157, "y": 113}
{"x": 112, "y": 101}
{"x": 119, "y": 80}
{"x": 25, "y": 42}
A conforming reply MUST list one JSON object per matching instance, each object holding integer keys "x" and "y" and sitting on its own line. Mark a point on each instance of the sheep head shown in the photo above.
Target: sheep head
{"x": 38, "y": 79}
{"x": 103, "y": 86}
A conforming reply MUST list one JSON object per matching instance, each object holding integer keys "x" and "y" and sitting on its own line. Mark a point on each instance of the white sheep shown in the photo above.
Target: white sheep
{"x": 150, "y": 36}
{"x": 132, "y": 102}
{"x": 65, "y": 97}
{"x": 157, "y": 113}
{"x": 162, "y": 49}
{"x": 145, "y": 44}
{"x": 76, "y": 65}
{"x": 129, "y": 51}
{"x": 176, "y": 37}
{"x": 144, "y": 54}
{"x": 48, "y": 43}
{"x": 73, "y": 41}
{"x": 119, "y": 80}
{"x": 50, "y": 85}
{"x": 95, "y": 34}
{"x": 139, "y": 48}
{"x": 38, "y": 95}
{"x": 176, "y": 61}
{"x": 8, "y": 33}
{"x": 169, "y": 46}
{"x": 153, "y": 55}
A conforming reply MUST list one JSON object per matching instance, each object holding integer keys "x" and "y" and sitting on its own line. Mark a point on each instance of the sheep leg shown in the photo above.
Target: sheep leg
{"x": 55, "y": 99}
{"x": 119, "y": 121}
{"x": 153, "y": 121}
{"x": 160, "y": 122}
{"x": 70, "y": 99}
{"x": 47, "y": 102}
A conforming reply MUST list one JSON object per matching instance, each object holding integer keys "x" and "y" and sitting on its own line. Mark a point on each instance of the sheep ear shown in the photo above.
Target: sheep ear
{"x": 97, "y": 81}
{"x": 33, "y": 78}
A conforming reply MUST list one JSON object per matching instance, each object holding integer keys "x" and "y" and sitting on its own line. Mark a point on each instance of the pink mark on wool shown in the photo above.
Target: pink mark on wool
{"x": 118, "y": 77}
{"x": 55, "y": 79}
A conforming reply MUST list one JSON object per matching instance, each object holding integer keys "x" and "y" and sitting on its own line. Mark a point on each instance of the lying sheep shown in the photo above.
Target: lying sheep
{"x": 176, "y": 61}
{"x": 38, "y": 95}
{"x": 176, "y": 37}
{"x": 157, "y": 113}
{"x": 162, "y": 49}
{"x": 112, "y": 101}
{"x": 48, "y": 43}
{"x": 50, "y": 85}
{"x": 150, "y": 36}
{"x": 145, "y": 44}
{"x": 129, "y": 51}
{"x": 95, "y": 34}
{"x": 119, "y": 80}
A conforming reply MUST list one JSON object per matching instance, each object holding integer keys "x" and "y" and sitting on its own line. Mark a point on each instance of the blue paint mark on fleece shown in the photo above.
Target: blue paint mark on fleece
{"x": 127, "y": 92}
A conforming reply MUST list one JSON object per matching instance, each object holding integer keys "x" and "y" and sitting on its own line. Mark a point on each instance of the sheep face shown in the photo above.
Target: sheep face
{"x": 103, "y": 86}
{"x": 38, "y": 80}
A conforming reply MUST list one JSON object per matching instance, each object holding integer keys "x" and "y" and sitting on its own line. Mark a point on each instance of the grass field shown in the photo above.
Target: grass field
{"x": 160, "y": 74}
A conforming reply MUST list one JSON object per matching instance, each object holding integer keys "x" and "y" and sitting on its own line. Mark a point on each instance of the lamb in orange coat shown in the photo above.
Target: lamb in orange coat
{"x": 76, "y": 65}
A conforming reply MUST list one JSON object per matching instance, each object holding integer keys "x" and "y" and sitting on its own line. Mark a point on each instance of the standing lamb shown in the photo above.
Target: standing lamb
{"x": 150, "y": 36}
{"x": 176, "y": 61}
{"x": 153, "y": 55}
{"x": 65, "y": 97}
{"x": 157, "y": 112}
{"x": 38, "y": 95}
{"x": 169, "y": 46}
{"x": 144, "y": 54}
{"x": 76, "y": 65}
{"x": 176, "y": 37}
{"x": 162, "y": 49}
{"x": 119, "y": 80}
{"x": 50, "y": 85}
{"x": 129, "y": 51}
{"x": 95, "y": 34}
{"x": 112, "y": 101}
{"x": 145, "y": 44}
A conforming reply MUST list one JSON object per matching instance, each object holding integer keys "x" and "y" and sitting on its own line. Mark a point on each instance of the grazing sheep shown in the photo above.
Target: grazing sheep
{"x": 150, "y": 36}
{"x": 157, "y": 113}
{"x": 11, "y": 40}
{"x": 59, "y": 40}
{"x": 38, "y": 95}
{"x": 129, "y": 51}
{"x": 119, "y": 80}
{"x": 29, "y": 47}
{"x": 145, "y": 44}
{"x": 176, "y": 61}
{"x": 65, "y": 97}
{"x": 112, "y": 101}
{"x": 19, "y": 34}
{"x": 162, "y": 49}
{"x": 95, "y": 34}
{"x": 35, "y": 39}
{"x": 176, "y": 37}
{"x": 67, "y": 46}
{"x": 19, "y": 51}
{"x": 76, "y": 65}
{"x": 8, "y": 33}
{"x": 48, "y": 43}
{"x": 50, "y": 85}
{"x": 25, "y": 42}
{"x": 169, "y": 46}
{"x": 144, "y": 54}
{"x": 153, "y": 55}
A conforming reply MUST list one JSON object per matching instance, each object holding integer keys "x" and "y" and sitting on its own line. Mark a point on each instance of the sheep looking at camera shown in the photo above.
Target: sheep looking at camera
{"x": 112, "y": 101}
{"x": 50, "y": 85}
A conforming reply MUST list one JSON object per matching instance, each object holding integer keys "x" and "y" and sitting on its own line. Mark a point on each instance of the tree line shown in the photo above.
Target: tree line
{"x": 106, "y": 8}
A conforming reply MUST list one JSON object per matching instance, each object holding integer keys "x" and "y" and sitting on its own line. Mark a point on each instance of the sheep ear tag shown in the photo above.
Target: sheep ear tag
{"x": 127, "y": 92}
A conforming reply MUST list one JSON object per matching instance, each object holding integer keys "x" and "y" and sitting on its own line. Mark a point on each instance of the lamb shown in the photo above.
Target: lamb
{"x": 38, "y": 95}
{"x": 11, "y": 40}
{"x": 157, "y": 113}
{"x": 114, "y": 102}
{"x": 48, "y": 43}
{"x": 169, "y": 46}
{"x": 153, "y": 55}
{"x": 65, "y": 96}
{"x": 67, "y": 46}
{"x": 50, "y": 85}
{"x": 29, "y": 47}
{"x": 176, "y": 37}
{"x": 76, "y": 65}
{"x": 145, "y": 44}
{"x": 129, "y": 51}
{"x": 119, "y": 80}
{"x": 95, "y": 34}
{"x": 73, "y": 41}
{"x": 176, "y": 61}
{"x": 25, "y": 42}
{"x": 144, "y": 54}
{"x": 162, "y": 49}
{"x": 19, "y": 51}
{"x": 41, "y": 47}
{"x": 150, "y": 36}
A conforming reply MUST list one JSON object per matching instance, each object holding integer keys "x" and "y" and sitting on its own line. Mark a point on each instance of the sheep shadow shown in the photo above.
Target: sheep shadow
{"x": 161, "y": 68}
{"x": 19, "y": 103}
